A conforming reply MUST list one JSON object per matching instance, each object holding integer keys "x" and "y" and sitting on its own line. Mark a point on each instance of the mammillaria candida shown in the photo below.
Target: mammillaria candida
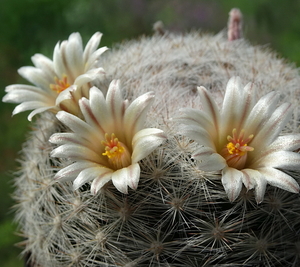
{"x": 179, "y": 213}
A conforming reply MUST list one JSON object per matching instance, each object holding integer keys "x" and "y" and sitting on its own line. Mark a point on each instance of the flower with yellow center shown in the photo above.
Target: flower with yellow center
{"x": 109, "y": 142}
{"x": 58, "y": 84}
{"x": 242, "y": 139}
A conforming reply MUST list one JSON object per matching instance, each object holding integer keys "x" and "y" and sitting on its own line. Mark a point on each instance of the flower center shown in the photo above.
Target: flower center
{"x": 117, "y": 153}
{"x": 60, "y": 84}
{"x": 236, "y": 149}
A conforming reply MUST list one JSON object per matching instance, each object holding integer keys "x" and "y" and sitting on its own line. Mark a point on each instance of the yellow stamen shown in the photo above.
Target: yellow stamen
{"x": 236, "y": 149}
{"x": 60, "y": 84}
{"x": 117, "y": 153}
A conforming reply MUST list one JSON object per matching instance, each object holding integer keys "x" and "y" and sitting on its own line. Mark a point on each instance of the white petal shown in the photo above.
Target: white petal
{"x": 88, "y": 114}
{"x": 89, "y": 76}
{"x": 99, "y": 108}
{"x": 254, "y": 179}
{"x": 65, "y": 94}
{"x": 19, "y": 96}
{"x": 29, "y": 105}
{"x": 119, "y": 179}
{"x": 40, "y": 110}
{"x": 198, "y": 134}
{"x": 59, "y": 59}
{"x": 89, "y": 174}
{"x": 286, "y": 160}
{"x": 79, "y": 126}
{"x": 78, "y": 152}
{"x": 114, "y": 102}
{"x": 145, "y": 141}
{"x": 126, "y": 177}
{"x": 93, "y": 59}
{"x": 74, "y": 52}
{"x": 249, "y": 177}
{"x": 135, "y": 114}
{"x": 261, "y": 112}
{"x": 35, "y": 76}
{"x": 101, "y": 180}
{"x": 233, "y": 105}
{"x": 209, "y": 160}
{"x": 210, "y": 107}
{"x": 133, "y": 176}
{"x": 70, "y": 172}
{"x": 191, "y": 116}
{"x": 232, "y": 182}
{"x": 45, "y": 64}
{"x": 91, "y": 46}
{"x": 286, "y": 143}
{"x": 280, "y": 179}
{"x": 272, "y": 127}
{"x": 15, "y": 87}
{"x": 66, "y": 138}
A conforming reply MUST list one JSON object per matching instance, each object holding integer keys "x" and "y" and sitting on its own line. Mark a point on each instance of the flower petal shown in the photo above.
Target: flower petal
{"x": 232, "y": 182}
{"x": 101, "y": 180}
{"x": 198, "y": 134}
{"x": 191, "y": 116}
{"x": 45, "y": 64}
{"x": 28, "y": 106}
{"x": 133, "y": 176}
{"x": 233, "y": 105}
{"x": 65, "y": 138}
{"x": 100, "y": 109}
{"x": 92, "y": 45}
{"x": 39, "y": 110}
{"x": 35, "y": 76}
{"x": 89, "y": 174}
{"x": 19, "y": 96}
{"x": 79, "y": 126}
{"x": 280, "y": 179}
{"x": 89, "y": 76}
{"x": 145, "y": 141}
{"x": 114, "y": 102}
{"x": 119, "y": 179}
{"x": 254, "y": 179}
{"x": 210, "y": 107}
{"x": 209, "y": 160}
{"x": 261, "y": 112}
{"x": 134, "y": 117}
{"x": 270, "y": 130}
{"x": 71, "y": 171}
{"x": 78, "y": 152}
{"x": 286, "y": 160}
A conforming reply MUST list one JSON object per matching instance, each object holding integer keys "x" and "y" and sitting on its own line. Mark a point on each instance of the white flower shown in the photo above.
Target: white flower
{"x": 242, "y": 139}
{"x": 110, "y": 142}
{"x": 71, "y": 65}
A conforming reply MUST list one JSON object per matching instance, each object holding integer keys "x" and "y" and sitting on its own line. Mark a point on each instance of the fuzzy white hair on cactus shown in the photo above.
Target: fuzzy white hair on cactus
{"x": 242, "y": 139}
{"x": 59, "y": 82}
{"x": 110, "y": 142}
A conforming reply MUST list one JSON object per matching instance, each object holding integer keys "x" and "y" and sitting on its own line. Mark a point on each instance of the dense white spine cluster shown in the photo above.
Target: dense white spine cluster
{"x": 179, "y": 215}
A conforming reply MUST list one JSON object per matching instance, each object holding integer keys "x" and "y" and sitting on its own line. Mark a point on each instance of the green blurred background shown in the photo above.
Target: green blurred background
{"x": 34, "y": 26}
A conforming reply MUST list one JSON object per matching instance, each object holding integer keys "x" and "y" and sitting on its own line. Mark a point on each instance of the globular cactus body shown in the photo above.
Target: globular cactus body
{"x": 179, "y": 215}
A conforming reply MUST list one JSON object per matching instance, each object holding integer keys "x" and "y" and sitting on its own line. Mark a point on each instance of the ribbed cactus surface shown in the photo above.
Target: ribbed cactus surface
{"x": 178, "y": 215}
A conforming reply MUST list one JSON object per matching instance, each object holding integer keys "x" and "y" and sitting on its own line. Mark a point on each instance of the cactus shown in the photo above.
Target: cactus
{"x": 179, "y": 215}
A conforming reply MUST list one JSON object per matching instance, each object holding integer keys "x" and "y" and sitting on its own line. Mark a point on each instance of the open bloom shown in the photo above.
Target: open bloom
{"x": 53, "y": 80}
{"x": 242, "y": 139}
{"x": 110, "y": 142}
